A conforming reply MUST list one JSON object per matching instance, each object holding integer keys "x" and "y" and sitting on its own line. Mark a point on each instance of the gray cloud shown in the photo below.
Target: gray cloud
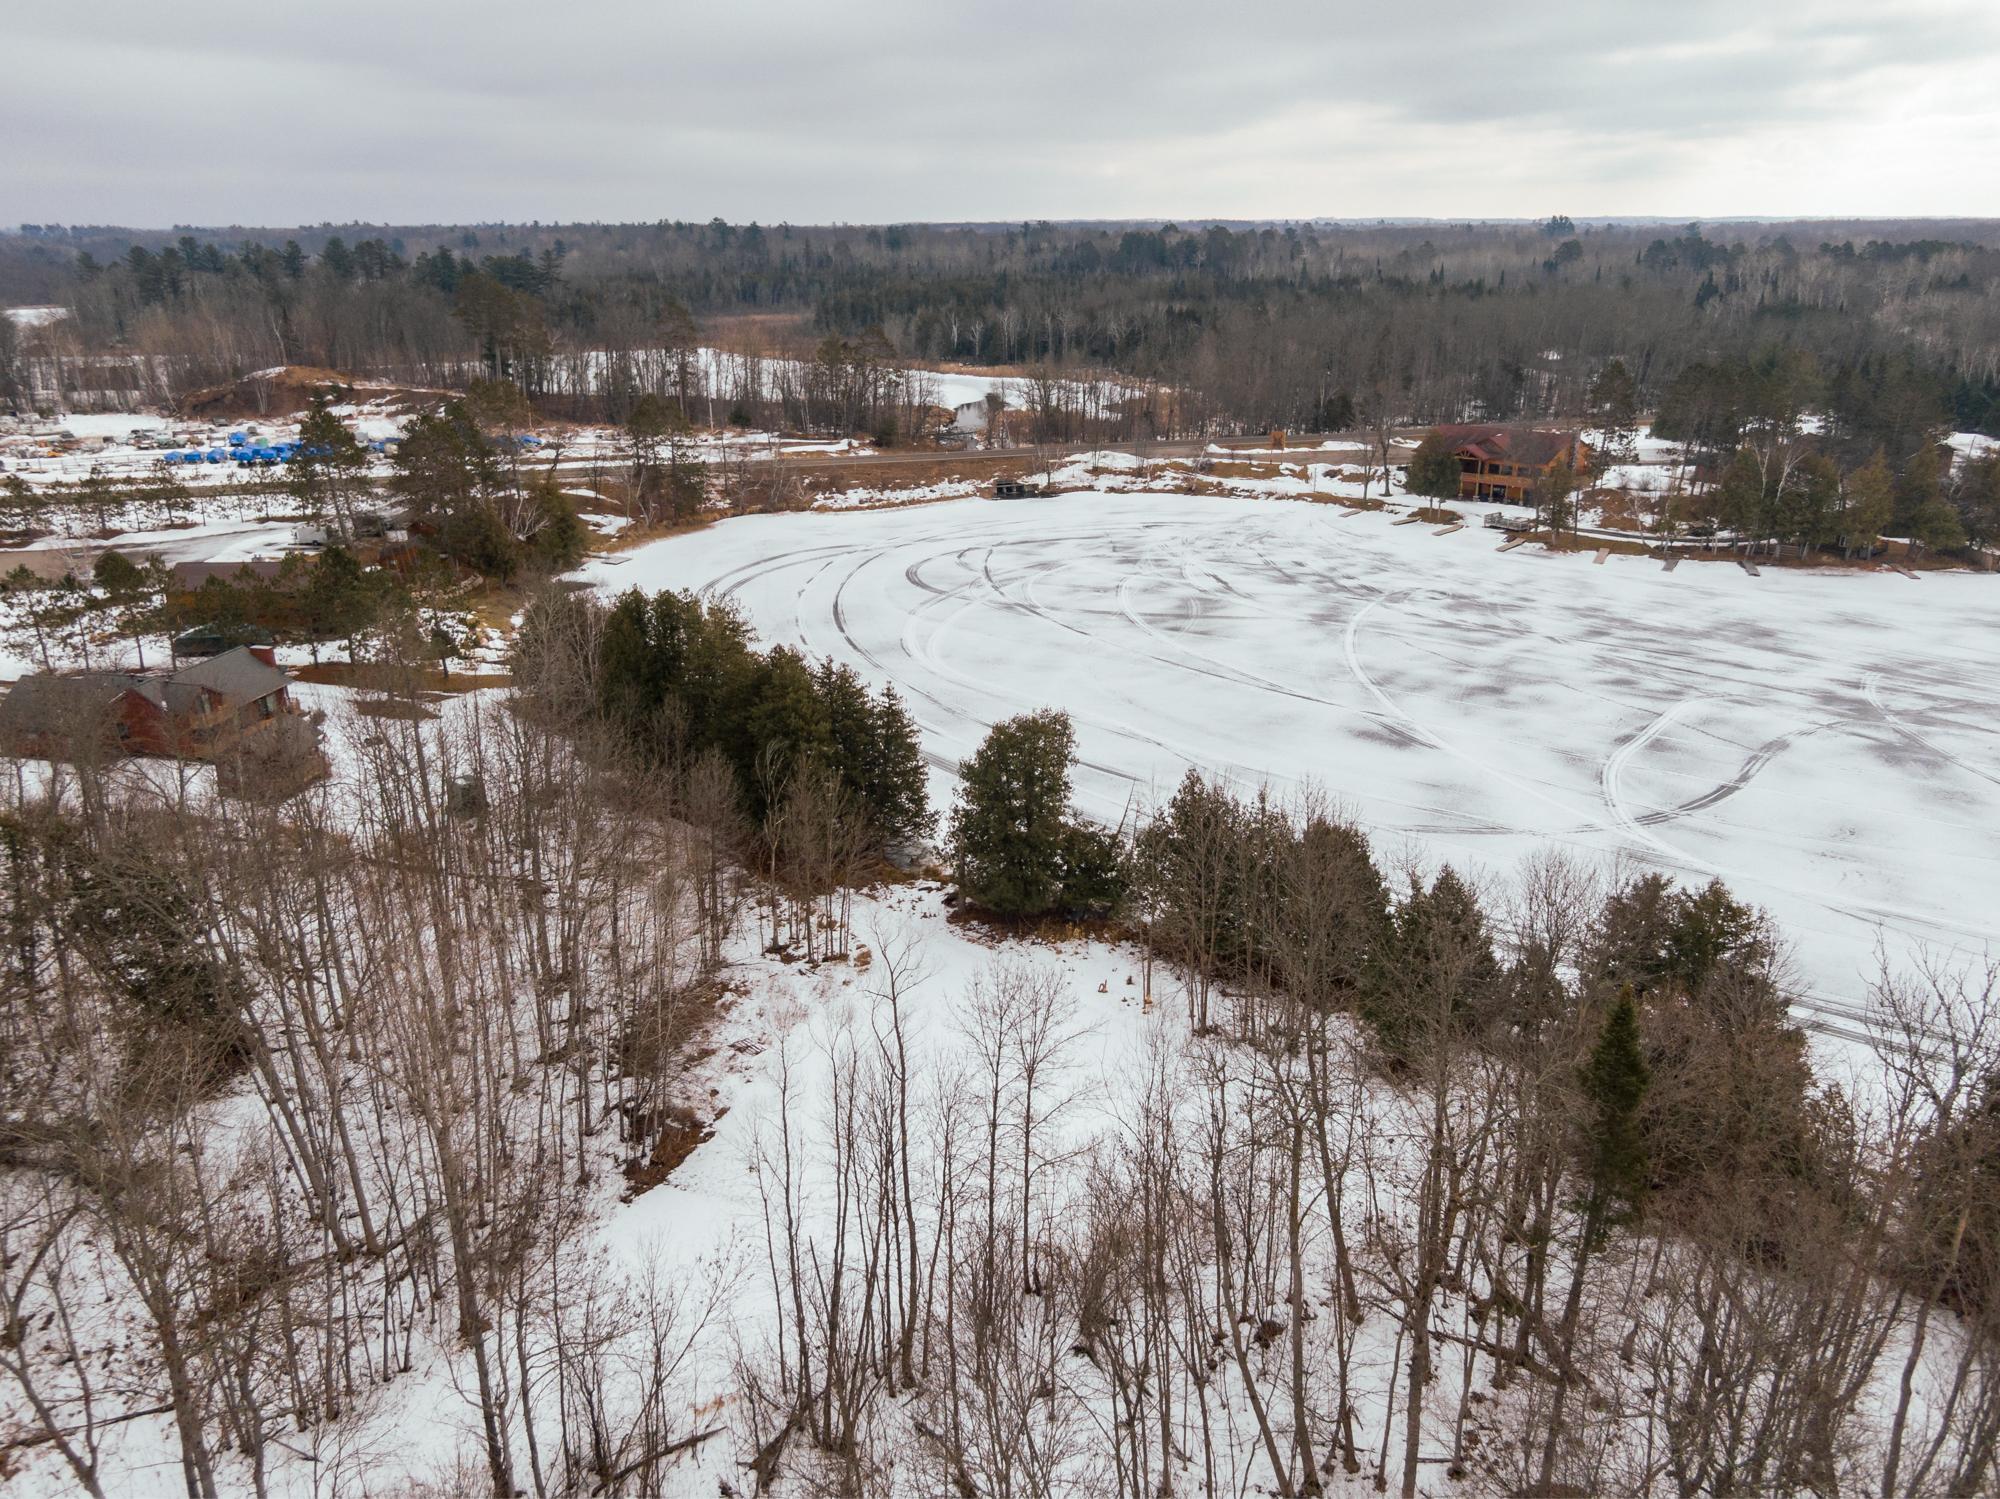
{"x": 219, "y": 111}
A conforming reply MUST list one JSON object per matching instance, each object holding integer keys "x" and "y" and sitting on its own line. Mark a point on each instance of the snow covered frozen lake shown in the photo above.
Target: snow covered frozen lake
{"x": 1826, "y": 743}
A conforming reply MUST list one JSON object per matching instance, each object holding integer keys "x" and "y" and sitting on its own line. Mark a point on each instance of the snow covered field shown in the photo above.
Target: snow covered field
{"x": 1823, "y": 742}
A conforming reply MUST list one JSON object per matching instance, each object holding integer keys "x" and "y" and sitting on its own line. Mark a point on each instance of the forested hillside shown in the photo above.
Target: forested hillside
{"x": 1307, "y": 326}
{"x": 486, "y": 1126}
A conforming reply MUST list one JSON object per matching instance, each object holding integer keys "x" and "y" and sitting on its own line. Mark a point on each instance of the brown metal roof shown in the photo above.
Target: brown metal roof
{"x": 1496, "y": 443}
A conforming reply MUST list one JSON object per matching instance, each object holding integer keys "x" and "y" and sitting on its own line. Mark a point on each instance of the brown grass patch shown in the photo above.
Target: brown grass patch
{"x": 397, "y": 679}
{"x": 1616, "y": 509}
{"x": 1588, "y": 544}
{"x": 760, "y": 332}
{"x": 1243, "y": 468}
{"x": 804, "y": 480}
{"x": 1437, "y": 515}
{"x": 637, "y": 534}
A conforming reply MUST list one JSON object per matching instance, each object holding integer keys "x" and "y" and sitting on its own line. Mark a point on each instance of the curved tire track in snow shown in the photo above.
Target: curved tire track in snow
{"x": 1472, "y": 701}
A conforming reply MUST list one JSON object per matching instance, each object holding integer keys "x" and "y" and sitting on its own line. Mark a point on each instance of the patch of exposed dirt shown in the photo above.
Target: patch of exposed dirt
{"x": 677, "y": 1136}
{"x": 289, "y": 390}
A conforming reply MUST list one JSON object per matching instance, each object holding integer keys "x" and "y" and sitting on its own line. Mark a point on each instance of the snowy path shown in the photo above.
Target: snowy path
{"x": 1825, "y": 743}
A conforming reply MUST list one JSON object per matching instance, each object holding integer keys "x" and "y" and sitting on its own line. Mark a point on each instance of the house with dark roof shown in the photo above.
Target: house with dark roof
{"x": 225, "y": 709}
{"x": 1507, "y": 463}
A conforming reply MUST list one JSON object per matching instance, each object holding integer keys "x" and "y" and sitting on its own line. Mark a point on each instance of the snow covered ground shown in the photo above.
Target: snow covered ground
{"x": 34, "y": 317}
{"x": 1470, "y": 701}
{"x": 1822, "y": 741}
{"x": 722, "y": 370}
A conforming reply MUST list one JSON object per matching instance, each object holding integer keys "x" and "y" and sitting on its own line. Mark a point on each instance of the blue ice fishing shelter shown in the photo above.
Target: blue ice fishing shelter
{"x": 237, "y": 439}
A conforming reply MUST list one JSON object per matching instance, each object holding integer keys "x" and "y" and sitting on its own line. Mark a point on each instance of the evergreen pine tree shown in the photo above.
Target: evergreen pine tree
{"x": 850, "y": 722}
{"x": 1867, "y": 501}
{"x": 1009, "y": 827}
{"x": 1439, "y": 968}
{"x": 895, "y": 785}
{"x": 1614, "y": 407}
{"x": 785, "y": 729}
{"x": 629, "y": 689}
{"x": 1614, "y": 1085}
{"x": 134, "y": 594}
{"x": 1935, "y": 527}
{"x": 1737, "y": 501}
{"x": 1433, "y": 470}
{"x": 330, "y": 470}
{"x": 1979, "y": 500}
{"x": 338, "y": 600}
{"x": 1917, "y": 487}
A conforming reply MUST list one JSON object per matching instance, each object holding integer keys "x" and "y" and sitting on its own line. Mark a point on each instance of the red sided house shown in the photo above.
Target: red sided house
{"x": 234, "y": 710}
{"x": 1506, "y": 463}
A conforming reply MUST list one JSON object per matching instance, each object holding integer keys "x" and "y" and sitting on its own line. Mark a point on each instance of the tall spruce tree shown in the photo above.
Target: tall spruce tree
{"x": 1614, "y": 1085}
{"x": 894, "y": 782}
{"x": 1614, "y": 407}
{"x": 1439, "y": 968}
{"x": 785, "y": 728}
{"x": 1867, "y": 501}
{"x": 1009, "y": 827}
{"x": 876, "y": 753}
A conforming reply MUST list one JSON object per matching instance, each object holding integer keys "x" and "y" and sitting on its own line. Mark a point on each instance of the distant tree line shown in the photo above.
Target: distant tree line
{"x": 1219, "y": 327}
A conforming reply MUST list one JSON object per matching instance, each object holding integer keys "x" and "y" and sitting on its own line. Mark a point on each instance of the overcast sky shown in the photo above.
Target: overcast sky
{"x": 226, "y": 111}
